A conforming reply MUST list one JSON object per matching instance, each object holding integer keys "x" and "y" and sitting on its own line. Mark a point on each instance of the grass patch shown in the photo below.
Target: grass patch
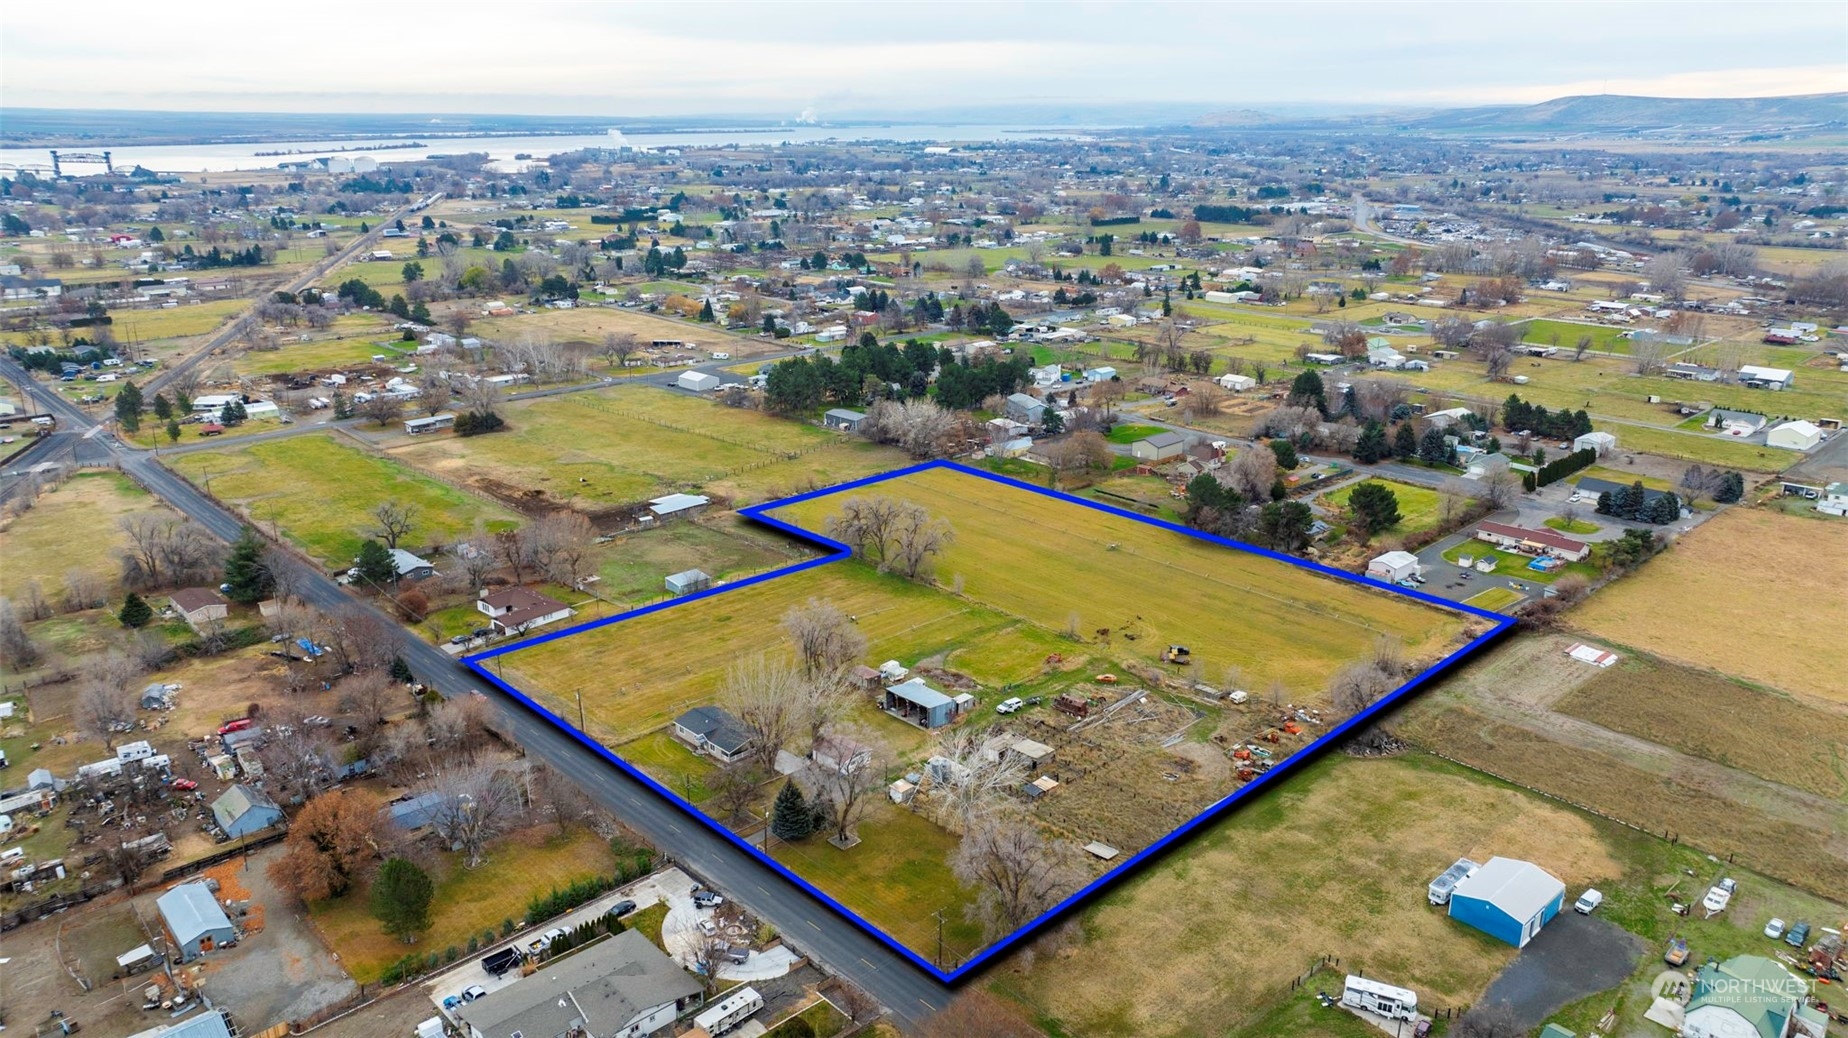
{"x": 39, "y": 545}
{"x": 822, "y": 1018}
{"x": 1513, "y": 565}
{"x": 1494, "y": 598}
{"x": 1566, "y": 334}
{"x": 671, "y": 764}
{"x": 468, "y": 902}
{"x": 634, "y": 565}
{"x": 1705, "y": 601}
{"x": 1419, "y": 507}
{"x": 648, "y": 922}
{"x": 1573, "y": 526}
{"x": 1127, "y": 434}
{"x": 321, "y": 492}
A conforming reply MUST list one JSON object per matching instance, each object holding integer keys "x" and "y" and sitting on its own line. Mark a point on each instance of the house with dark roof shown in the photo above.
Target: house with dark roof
{"x": 243, "y": 810}
{"x": 199, "y": 605}
{"x": 714, "y": 732}
{"x": 516, "y": 609}
{"x": 623, "y": 987}
{"x": 1594, "y": 486}
{"x": 413, "y": 813}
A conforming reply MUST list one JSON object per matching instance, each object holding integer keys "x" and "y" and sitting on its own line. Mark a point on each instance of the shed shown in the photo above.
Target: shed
{"x": 688, "y": 581}
{"x": 697, "y": 381}
{"x": 675, "y": 506}
{"x": 429, "y": 423}
{"x": 1237, "y": 383}
{"x": 155, "y": 697}
{"x": 842, "y": 419}
{"x": 1794, "y": 436}
{"x": 920, "y": 704}
{"x": 1024, "y": 408}
{"x": 1602, "y": 442}
{"x": 243, "y": 810}
{"x": 409, "y": 566}
{"x": 1034, "y": 753}
{"x": 1393, "y": 566}
{"x": 1159, "y": 447}
{"x": 193, "y": 917}
{"x": 1508, "y": 899}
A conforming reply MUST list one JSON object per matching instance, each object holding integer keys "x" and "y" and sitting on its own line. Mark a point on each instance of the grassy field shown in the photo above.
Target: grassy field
{"x": 623, "y": 446}
{"x": 1494, "y": 598}
{"x": 320, "y": 491}
{"x": 1419, "y": 507}
{"x": 1566, "y": 334}
{"x": 896, "y": 877}
{"x": 1755, "y": 593}
{"x": 1229, "y": 955}
{"x": 468, "y": 902}
{"x": 1719, "y": 719}
{"x": 39, "y": 545}
{"x": 634, "y": 565}
{"x": 1128, "y": 433}
{"x": 671, "y": 764}
{"x": 319, "y": 355}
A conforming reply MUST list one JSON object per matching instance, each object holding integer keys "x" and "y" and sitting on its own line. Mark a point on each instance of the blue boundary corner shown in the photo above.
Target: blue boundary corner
{"x": 836, "y": 551}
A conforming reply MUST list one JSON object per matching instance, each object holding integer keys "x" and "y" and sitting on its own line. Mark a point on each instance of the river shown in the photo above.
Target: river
{"x": 221, "y": 158}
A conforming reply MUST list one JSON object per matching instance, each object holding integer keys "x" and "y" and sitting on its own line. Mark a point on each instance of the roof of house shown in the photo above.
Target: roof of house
{"x": 1519, "y": 888}
{"x": 716, "y": 726}
{"x": 210, "y": 1024}
{"x": 191, "y": 912}
{"x": 519, "y": 606}
{"x": 1556, "y": 541}
{"x": 404, "y": 562}
{"x": 676, "y": 503}
{"x": 415, "y": 812}
{"x": 845, "y": 415}
{"x": 1164, "y": 439}
{"x": 239, "y": 801}
{"x": 1024, "y": 400}
{"x": 917, "y": 692}
{"x": 1594, "y": 485}
{"x": 1755, "y": 987}
{"x": 600, "y": 989}
{"x": 190, "y": 599}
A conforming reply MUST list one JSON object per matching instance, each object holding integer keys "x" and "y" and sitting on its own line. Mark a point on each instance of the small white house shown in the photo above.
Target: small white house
{"x": 1393, "y": 567}
{"x": 1834, "y": 500}
{"x": 1602, "y": 442}
{"x": 1794, "y": 436}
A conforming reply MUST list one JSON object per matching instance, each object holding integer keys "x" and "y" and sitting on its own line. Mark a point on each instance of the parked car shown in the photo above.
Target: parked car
{"x": 185, "y": 784}
{"x": 1588, "y": 902}
{"x": 1798, "y": 935}
{"x": 501, "y": 961}
{"x": 473, "y": 992}
{"x": 1774, "y": 929}
{"x": 621, "y": 908}
{"x": 1009, "y": 705}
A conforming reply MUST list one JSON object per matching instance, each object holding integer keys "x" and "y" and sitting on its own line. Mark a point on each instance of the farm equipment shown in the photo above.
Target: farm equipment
{"x": 1827, "y": 958}
{"x": 1177, "y": 654}
{"x": 1292, "y": 728}
{"x": 1677, "y": 954}
{"x": 1272, "y": 736}
{"x": 1077, "y": 706}
{"x": 1247, "y": 774}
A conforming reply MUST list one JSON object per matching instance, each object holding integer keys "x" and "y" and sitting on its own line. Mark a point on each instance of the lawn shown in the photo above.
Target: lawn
{"x": 633, "y": 565}
{"x": 1580, "y": 527}
{"x": 153, "y": 432}
{"x": 1566, "y": 334}
{"x": 897, "y": 877}
{"x": 1712, "y": 600}
{"x": 39, "y": 545}
{"x": 822, "y": 1018}
{"x": 1130, "y": 433}
{"x": 468, "y": 902}
{"x": 1419, "y": 507}
{"x": 620, "y": 447}
{"x": 1511, "y": 565}
{"x": 671, "y": 763}
{"x": 321, "y": 492}
{"x": 321, "y": 355}
{"x": 1494, "y": 599}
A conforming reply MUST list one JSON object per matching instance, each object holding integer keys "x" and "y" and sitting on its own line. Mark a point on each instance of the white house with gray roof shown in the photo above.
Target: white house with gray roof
{"x": 623, "y": 987}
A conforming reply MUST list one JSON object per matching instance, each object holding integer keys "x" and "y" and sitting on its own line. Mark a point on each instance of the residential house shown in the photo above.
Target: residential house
{"x": 431, "y": 423}
{"x": 243, "y": 810}
{"x": 714, "y": 732}
{"x": 1027, "y": 409}
{"x": 1735, "y": 423}
{"x": 410, "y": 567}
{"x": 1750, "y": 995}
{"x": 199, "y": 605}
{"x": 1533, "y": 542}
{"x": 13, "y": 287}
{"x": 1834, "y": 499}
{"x": 1692, "y": 372}
{"x": 194, "y": 920}
{"x": 621, "y": 987}
{"x": 515, "y": 610}
{"x": 413, "y": 813}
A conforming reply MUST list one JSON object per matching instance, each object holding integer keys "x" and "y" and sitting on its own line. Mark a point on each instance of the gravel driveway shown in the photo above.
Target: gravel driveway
{"x": 1573, "y": 957}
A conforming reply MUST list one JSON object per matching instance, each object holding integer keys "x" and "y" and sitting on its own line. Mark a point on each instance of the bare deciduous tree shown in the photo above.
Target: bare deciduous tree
{"x": 616, "y": 348}
{"x": 1016, "y": 872}
{"x": 17, "y": 650}
{"x": 558, "y": 543}
{"x": 297, "y": 757}
{"x": 846, "y": 785}
{"x": 473, "y": 806}
{"x": 382, "y": 408}
{"x": 556, "y": 798}
{"x": 1251, "y": 473}
{"x": 105, "y": 701}
{"x": 393, "y": 521}
{"x": 916, "y": 538}
{"x": 164, "y": 551}
{"x": 763, "y": 693}
{"x": 1648, "y": 352}
{"x": 825, "y": 638}
{"x": 970, "y": 781}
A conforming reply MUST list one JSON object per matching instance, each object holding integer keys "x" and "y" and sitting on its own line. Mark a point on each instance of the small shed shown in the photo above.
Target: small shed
{"x": 697, "y": 381}
{"x": 1508, "y": 899}
{"x": 1393, "y": 566}
{"x": 688, "y": 581}
{"x": 1034, "y": 753}
{"x": 156, "y": 697}
{"x": 842, "y": 419}
{"x": 677, "y": 506}
{"x": 243, "y": 810}
{"x": 902, "y": 790}
{"x": 411, "y": 567}
{"x": 920, "y": 704}
{"x": 193, "y": 917}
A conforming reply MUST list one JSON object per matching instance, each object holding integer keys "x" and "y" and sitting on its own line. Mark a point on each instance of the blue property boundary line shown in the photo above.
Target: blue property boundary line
{"x": 836, "y": 551}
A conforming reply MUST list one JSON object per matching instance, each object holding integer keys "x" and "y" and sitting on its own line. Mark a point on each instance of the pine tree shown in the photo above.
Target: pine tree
{"x": 401, "y": 899}
{"x": 135, "y": 611}
{"x": 791, "y": 818}
{"x": 1404, "y": 442}
{"x": 128, "y": 407}
{"x": 401, "y": 671}
{"x": 249, "y": 577}
{"x": 173, "y": 431}
{"x": 163, "y": 408}
{"x": 375, "y": 565}
{"x": 342, "y": 407}
{"x": 1372, "y": 445}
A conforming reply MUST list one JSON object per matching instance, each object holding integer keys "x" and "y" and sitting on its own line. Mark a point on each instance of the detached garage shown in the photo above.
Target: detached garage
{"x": 697, "y": 381}
{"x": 1507, "y": 899}
{"x": 1794, "y": 436}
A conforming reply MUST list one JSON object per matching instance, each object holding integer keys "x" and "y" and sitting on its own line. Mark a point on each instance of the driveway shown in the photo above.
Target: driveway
{"x": 1574, "y": 957}
{"x": 680, "y": 932}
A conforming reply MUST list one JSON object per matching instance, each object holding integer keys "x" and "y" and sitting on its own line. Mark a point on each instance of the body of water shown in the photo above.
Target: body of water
{"x": 220, "y": 158}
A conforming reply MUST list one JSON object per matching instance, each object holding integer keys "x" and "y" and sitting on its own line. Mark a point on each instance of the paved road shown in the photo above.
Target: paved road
{"x": 907, "y": 992}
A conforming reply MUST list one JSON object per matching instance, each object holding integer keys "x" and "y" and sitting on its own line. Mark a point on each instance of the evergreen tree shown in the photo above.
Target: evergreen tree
{"x": 1404, "y": 442}
{"x": 705, "y": 312}
{"x": 1372, "y": 445}
{"x": 1432, "y": 450}
{"x": 375, "y": 565}
{"x": 791, "y": 818}
{"x": 163, "y": 408}
{"x": 401, "y": 898}
{"x": 1375, "y": 507}
{"x": 173, "y": 431}
{"x": 1053, "y": 422}
{"x": 343, "y": 408}
{"x": 420, "y": 313}
{"x": 1306, "y": 390}
{"x": 401, "y": 671}
{"x": 250, "y": 579}
{"x": 128, "y": 407}
{"x": 135, "y": 611}
{"x": 1607, "y": 505}
{"x": 1286, "y": 454}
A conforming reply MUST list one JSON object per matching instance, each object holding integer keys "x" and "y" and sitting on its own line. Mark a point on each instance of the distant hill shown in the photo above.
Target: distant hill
{"x": 1617, "y": 112}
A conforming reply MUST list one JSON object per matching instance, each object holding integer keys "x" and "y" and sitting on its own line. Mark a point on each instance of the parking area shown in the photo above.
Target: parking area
{"x": 1574, "y": 957}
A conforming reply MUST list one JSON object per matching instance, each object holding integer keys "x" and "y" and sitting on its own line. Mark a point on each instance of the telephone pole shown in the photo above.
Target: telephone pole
{"x": 938, "y": 915}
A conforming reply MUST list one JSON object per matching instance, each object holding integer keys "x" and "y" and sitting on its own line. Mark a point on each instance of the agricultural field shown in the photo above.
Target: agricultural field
{"x": 1420, "y": 508}
{"x": 633, "y": 565}
{"x": 592, "y": 323}
{"x": 615, "y": 448}
{"x": 1005, "y": 626}
{"x": 320, "y": 492}
{"x": 1710, "y": 601}
{"x": 38, "y": 545}
{"x": 1566, "y": 334}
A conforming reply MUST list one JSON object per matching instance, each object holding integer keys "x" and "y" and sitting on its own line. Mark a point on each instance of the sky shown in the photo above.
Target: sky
{"x": 842, "y": 60}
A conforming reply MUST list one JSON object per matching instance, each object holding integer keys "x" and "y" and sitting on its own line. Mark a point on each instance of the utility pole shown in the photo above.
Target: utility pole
{"x": 938, "y": 915}
{"x": 580, "y": 699}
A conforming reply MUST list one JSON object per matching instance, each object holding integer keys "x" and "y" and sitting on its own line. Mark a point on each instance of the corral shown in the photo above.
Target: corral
{"x": 1753, "y": 591}
{"x": 1000, "y": 615}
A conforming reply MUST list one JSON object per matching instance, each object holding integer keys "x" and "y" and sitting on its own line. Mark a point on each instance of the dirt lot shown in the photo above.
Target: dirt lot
{"x": 1757, "y": 593}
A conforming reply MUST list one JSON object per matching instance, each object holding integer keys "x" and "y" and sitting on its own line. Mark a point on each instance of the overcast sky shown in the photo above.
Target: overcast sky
{"x": 835, "y": 59}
